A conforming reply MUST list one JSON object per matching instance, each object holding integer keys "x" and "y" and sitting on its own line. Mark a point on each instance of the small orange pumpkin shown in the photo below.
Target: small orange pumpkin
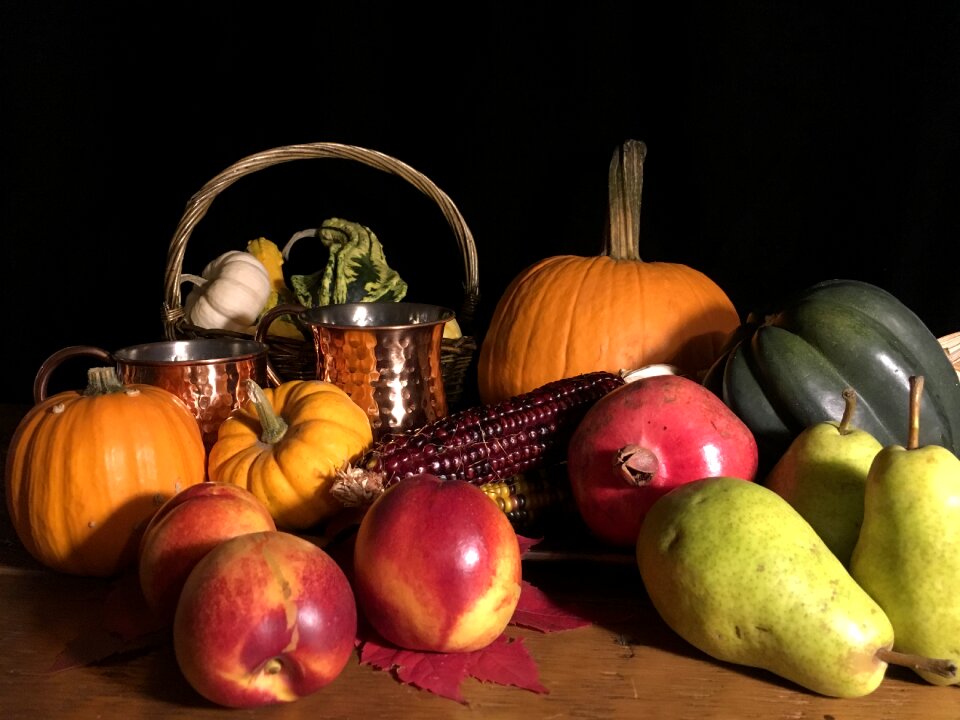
{"x": 86, "y": 470}
{"x": 287, "y": 444}
{"x": 567, "y": 315}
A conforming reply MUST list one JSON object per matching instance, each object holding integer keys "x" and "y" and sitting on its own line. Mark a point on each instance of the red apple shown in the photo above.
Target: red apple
{"x": 642, "y": 440}
{"x": 264, "y": 618}
{"x": 437, "y": 566}
{"x": 184, "y": 529}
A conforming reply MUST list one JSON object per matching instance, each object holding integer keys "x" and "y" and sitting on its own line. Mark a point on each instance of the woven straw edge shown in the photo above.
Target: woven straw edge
{"x": 198, "y": 205}
{"x": 951, "y": 346}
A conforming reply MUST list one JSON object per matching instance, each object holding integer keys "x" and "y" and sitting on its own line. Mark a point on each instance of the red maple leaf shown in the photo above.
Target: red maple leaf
{"x": 126, "y": 624}
{"x": 505, "y": 662}
{"x": 537, "y": 611}
{"x": 527, "y": 543}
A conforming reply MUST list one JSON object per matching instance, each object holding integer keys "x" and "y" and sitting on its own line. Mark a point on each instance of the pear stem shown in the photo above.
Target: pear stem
{"x": 943, "y": 668}
{"x": 913, "y": 429}
{"x": 849, "y": 407}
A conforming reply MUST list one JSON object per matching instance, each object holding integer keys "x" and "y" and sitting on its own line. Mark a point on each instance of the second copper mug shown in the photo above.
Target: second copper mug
{"x": 384, "y": 355}
{"x": 206, "y": 373}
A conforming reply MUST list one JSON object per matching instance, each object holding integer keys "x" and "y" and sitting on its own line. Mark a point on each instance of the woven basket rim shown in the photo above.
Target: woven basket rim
{"x": 951, "y": 346}
{"x": 172, "y": 314}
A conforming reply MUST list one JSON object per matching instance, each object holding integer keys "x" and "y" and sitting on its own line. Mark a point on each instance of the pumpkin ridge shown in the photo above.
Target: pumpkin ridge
{"x": 643, "y": 289}
{"x": 280, "y": 487}
{"x": 28, "y": 495}
{"x": 571, "y": 361}
{"x": 712, "y": 309}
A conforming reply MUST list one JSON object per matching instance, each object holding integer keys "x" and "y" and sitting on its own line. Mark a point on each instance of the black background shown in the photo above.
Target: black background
{"x": 788, "y": 143}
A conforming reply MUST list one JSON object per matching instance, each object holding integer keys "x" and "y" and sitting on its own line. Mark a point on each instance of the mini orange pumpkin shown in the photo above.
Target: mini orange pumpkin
{"x": 86, "y": 471}
{"x": 287, "y": 444}
{"x": 567, "y": 315}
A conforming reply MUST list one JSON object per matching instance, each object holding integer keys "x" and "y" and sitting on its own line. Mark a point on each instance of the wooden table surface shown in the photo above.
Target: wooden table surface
{"x": 626, "y": 664}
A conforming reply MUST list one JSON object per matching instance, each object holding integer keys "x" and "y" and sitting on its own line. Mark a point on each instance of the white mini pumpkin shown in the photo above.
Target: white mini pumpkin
{"x": 229, "y": 294}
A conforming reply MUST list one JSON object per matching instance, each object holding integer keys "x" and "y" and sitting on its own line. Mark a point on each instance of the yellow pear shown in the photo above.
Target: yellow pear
{"x": 908, "y": 553}
{"x": 737, "y": 572}
{"x": 822, "y": 475}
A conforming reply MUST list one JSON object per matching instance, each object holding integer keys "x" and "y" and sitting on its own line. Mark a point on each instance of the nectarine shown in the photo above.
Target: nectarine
{"x": 437, "y": 566}
{"x": 264, "y": 618}
{"x": 184, "y": 529}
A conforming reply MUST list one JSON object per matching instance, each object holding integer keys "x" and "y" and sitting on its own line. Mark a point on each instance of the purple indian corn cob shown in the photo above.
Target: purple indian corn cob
{"x": 495, "y": 441}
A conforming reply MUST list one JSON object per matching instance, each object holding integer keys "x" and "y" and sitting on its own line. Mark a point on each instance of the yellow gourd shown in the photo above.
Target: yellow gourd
{"x": 267, "y": 252}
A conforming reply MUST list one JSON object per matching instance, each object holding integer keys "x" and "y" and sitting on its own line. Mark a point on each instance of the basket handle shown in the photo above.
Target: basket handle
{"x": 199, "y": 204}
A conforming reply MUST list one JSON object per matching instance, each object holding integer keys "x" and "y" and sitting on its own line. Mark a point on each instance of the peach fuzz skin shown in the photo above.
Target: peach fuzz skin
{"x": 264, "y": 618}
{"x": 437, "y": 566}
{"x": 184, "y": 529}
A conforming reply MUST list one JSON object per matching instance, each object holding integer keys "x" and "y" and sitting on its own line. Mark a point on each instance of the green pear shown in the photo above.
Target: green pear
{"x": 908, "y": 553}
{"x": 822, "y": 475}
{"x": 737, "y": 572}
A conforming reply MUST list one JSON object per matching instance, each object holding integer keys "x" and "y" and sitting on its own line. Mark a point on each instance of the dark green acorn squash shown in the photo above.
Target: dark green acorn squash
{"x": 788, "y": 370}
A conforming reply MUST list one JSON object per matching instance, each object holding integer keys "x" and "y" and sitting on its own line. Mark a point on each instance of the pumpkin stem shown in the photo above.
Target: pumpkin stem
{"x": 102, "y": 381}
{"x": 625, "y": 187}
{"x": 273, "y": 426}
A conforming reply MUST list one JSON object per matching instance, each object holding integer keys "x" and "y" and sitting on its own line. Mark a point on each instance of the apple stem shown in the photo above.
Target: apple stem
{"x": 849, "y": 407}
{"x": 636, "y": 464}
{"x": 942, "y": 667}
{"x": 273, "y": 427}
{"x": 913, "y": 430}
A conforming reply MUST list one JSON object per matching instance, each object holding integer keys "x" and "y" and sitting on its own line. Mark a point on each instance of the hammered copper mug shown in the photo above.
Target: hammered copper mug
{"x": 384, "y": 355}
{"x": 206, "y": 373}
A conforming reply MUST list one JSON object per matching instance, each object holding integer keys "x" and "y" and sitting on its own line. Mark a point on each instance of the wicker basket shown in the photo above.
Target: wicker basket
{"x": 951, "y": 346}
{"x": 295, "y": 359}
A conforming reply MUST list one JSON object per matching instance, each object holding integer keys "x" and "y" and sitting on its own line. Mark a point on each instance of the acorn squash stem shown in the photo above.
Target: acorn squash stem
{"x": 625, "y": 190}
{"x": 102, "y": 381}
{"x": 273, "y": 427}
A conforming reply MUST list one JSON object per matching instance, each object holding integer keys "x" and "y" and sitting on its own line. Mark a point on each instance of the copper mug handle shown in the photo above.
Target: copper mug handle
{"x": 50, "y": 364}
{"x": 261, "y": 334}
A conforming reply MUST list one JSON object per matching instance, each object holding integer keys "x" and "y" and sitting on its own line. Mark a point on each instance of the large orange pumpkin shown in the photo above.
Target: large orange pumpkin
{"x": 566, "y": 315}
{"x": 86, "y": 471}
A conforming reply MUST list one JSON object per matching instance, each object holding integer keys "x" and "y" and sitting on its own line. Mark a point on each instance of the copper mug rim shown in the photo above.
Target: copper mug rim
{"x": 150, "y": 354}
{"x": 376, "y": 316}
{"x": 393, "y": 316}
{"x": 192, "y": 351}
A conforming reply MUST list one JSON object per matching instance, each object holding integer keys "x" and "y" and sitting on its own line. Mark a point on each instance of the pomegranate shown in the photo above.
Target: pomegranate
{"x": 645, "y": 438}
